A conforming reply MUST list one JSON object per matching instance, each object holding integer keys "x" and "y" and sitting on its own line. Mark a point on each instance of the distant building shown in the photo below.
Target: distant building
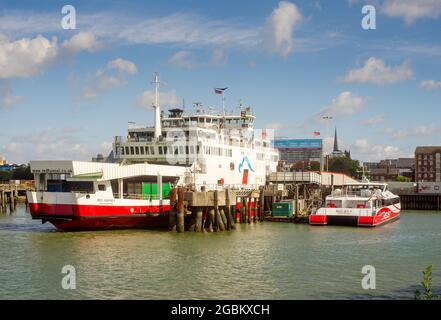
{"x": 2, "y": 161}
{"x": 428, "y": 164}
{"x": 390, "y": 169}
{"x": 336, "y": 152}
{"x": 293, "y": 151}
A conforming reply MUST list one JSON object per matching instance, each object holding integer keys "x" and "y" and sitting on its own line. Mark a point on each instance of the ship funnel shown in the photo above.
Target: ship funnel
{"x": 157, "y": 108}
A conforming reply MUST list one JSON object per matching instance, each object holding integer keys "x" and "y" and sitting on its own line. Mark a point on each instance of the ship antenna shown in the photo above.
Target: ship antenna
{"x": 157, "y": 107}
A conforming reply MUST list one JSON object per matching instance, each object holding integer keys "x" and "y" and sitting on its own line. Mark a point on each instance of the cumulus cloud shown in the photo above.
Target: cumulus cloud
{"x": 411, "y": 10}
{"x": 183, "y": 59}
{"x": 375, "y": 71}
{"x": 122, "y": 65}
{"x": 147, "y": 98}
{"x": 47, "y": 144}
{"x": 26, "y": 57}
{"x": 279, "y": 29}
{"x": 430, "y": 84}
{"x": 112, "y": 77}
{"x": 364, "y": 149}
{"x": 81, "y": 41}
{"x": 345, "y": 104}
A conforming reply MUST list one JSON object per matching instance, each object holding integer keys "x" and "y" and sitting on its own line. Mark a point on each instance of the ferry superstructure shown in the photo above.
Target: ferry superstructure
{"x": 203, "y": 151}
{"x": 215, "y": 148}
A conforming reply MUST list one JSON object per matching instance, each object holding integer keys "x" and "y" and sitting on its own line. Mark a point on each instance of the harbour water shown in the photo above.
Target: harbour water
{"x": 262, "y": 261}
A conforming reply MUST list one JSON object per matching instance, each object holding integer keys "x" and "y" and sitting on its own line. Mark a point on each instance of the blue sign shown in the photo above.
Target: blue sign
{"x": 298, "y": 143}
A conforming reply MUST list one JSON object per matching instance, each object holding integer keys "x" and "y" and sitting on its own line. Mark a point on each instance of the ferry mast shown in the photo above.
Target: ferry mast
{"x": 157, "y": 107}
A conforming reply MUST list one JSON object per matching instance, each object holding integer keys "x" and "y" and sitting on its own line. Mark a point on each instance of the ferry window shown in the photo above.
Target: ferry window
{"x": 137, "y": 150}
{"x": 160, "y": 149}
{"x": 147, "y": 150}
{"x": 232, "y": 166}
{"x": 187, "y": 150}
{"x": 152, "y": 150}
{"x": 141, "y": 149}
{"x": 165, "y": 149}
{"x": 127, "y": 150}
{"x": 131, "y": 150}
{"x": 197, "y": 149}
{"x": 176, "y": 150}
{"x": 102, "y": 187}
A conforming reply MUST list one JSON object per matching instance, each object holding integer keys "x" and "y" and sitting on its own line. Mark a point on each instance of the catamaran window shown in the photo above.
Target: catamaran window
{"x": 127, "y": 150}
{"x": 160, "y": 149}
{"x": 176, "y": 150}
{"x": 142, "y": 150}
{"x": 132, "y": 150}
{"x": 187, "y": 150}
{"x": 102, "y": 187}
{"x": 137, "y": 150}
{"x": 152, "y": 150}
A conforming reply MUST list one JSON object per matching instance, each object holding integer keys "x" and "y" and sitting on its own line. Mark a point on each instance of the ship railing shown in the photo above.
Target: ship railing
{"x": 139, "y": 196}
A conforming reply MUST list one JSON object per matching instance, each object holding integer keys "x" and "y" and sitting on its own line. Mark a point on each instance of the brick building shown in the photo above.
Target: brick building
{"x": 428, "y": 164}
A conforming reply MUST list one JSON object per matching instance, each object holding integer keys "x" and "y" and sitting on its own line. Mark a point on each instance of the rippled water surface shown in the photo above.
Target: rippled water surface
{"x": 263, "y": 261}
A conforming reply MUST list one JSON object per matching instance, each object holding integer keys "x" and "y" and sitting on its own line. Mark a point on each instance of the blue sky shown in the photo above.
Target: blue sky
{"x": 66, "y": 93}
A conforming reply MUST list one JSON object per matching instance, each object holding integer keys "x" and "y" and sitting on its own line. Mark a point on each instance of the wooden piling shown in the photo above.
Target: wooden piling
{"x": 172, "y": 212}
{"x": 180, "y": 211}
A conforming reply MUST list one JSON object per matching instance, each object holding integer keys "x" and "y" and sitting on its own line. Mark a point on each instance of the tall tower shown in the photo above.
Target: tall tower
{"x": 157, "y": 108}
{"x": 335, "y": 141}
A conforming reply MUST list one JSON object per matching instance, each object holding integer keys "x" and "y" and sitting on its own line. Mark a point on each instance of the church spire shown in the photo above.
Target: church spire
{"x": 335, "y": 141}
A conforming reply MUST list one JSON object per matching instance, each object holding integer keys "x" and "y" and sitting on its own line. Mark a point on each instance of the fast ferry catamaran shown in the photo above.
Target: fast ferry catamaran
{"x": 360, "y": 204}
{"x": 202, "y": 150}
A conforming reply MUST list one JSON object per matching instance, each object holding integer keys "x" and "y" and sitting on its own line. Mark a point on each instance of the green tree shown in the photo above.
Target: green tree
{"x": 5, "y": 176}
{"x": 344, "y": 165}
{"x": 403, "y": 179}
{"x": 22, "y": 173}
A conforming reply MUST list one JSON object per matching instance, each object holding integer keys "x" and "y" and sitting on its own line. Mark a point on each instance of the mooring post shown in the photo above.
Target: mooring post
{"x": 262, "y": 204}
{"x": 180, "y": 210}
{"x": 172, "y": 212}
{"x": 211, "y": 217}
{"x": 219, "y": 221}
{"x": 255, "y": 209}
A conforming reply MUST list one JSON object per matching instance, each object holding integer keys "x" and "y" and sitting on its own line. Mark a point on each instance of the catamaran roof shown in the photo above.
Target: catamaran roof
{"x": 84, "y": 170}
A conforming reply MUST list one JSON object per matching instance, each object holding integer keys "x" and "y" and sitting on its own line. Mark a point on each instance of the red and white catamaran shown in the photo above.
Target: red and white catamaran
{"x": 364, "y": 204}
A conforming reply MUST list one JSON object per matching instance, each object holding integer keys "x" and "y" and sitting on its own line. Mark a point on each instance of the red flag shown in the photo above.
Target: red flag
{"x": 316, "y": 133}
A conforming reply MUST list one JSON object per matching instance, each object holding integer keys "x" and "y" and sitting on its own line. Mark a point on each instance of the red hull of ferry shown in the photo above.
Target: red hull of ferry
{"x": 384, "y": 216}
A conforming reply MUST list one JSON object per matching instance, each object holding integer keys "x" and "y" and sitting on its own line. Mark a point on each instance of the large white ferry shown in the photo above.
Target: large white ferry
{"x": 202, "y": 150}
{"x": 361, "y": 204}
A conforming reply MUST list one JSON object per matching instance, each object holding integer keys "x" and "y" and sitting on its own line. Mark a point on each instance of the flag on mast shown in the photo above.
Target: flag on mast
{"x": 316, "y": 133}
{"x": 220, "y": 90}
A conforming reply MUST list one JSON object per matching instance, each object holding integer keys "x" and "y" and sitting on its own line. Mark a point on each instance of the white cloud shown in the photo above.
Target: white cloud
{"x": 374, "y": 120}
{"x": 26, "y": 57}
{"x": 108, "y": 79}
{"x": 411, "y": 10}
{"x": 147, "y": 98}
{"x": 345, "y": 104}
{"x": 55, "y": 144}
{"x": 7, "y": 98}
{"x": 368, "y": 151}
{"x": 123, "y": 65}
{"x": 183, "y": 59}
{"x": 431, "y": 84}
{"x": 375, "y": 71}
{"x": 81, "y": 41}
{"x": 279, "y": 28}
{"x": 418, "y": 131}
